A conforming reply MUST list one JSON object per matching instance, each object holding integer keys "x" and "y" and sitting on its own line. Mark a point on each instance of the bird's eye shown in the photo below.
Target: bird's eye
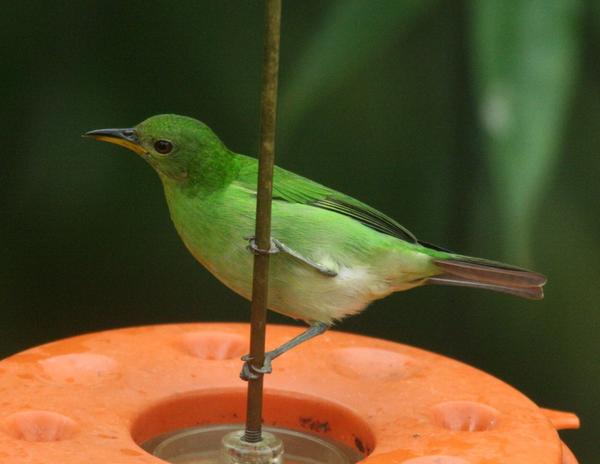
{"x": 163, "y": 147}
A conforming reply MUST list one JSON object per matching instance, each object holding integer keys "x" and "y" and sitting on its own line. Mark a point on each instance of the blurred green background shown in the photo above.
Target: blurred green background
{"x": 475, "y": 124}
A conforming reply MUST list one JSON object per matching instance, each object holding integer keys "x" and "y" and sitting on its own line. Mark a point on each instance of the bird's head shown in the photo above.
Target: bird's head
{"x": 179, "y": 148}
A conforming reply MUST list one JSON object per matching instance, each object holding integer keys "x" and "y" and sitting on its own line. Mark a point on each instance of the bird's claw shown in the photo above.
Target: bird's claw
{"x": 253, "y": 247}
{"x": 251, "y": 372}
{"x": 247, "y": 373}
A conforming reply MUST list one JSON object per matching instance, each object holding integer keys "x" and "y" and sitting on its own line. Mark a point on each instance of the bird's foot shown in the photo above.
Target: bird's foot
{"x": 251, "y": 372}
{"x": 278, "y": 246}
{"x": 253, "y": 247}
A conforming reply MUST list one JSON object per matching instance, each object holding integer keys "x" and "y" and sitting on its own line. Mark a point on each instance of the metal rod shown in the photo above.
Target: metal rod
{"x": 263, "y": 215}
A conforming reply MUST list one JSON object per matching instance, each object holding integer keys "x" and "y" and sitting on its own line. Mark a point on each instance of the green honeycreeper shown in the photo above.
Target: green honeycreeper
{"x": 332, "y": 254}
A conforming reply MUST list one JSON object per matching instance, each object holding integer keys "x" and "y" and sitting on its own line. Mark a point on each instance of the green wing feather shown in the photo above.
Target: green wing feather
{"x": 454, "y": 269}
{"x": 293, "y": 188}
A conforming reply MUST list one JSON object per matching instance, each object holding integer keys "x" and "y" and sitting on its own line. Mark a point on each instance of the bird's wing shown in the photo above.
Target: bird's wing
{"x": 293, "y": 188}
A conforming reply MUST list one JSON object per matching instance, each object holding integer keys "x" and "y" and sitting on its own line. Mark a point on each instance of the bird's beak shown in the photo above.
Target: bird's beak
{"x": 125, "y": 137}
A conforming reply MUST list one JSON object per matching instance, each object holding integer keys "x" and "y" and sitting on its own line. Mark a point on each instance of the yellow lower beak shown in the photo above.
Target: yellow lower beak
{"x": 125, "y": 137}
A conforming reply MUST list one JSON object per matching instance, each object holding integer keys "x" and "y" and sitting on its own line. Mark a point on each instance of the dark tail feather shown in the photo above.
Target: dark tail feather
{"x": 531, "y": 293}
{"x": 489, "y": 275}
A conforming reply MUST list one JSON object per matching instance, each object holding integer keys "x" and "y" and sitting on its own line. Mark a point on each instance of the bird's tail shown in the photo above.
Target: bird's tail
{"x": 464, "y": 271}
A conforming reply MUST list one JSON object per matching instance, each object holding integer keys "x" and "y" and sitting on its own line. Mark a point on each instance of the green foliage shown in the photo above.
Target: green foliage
{"x": 350, "y": 33}
{"x": 526, "y": 61}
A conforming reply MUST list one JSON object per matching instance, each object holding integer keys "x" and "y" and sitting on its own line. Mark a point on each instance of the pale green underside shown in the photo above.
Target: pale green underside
{"x": 370, "y": 264}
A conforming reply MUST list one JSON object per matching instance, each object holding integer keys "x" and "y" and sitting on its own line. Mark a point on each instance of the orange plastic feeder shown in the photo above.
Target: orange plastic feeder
{"x": 95, "y": 398}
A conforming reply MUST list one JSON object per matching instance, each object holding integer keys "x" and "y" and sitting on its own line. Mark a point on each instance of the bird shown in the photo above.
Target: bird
{"x": 332, "y": 255}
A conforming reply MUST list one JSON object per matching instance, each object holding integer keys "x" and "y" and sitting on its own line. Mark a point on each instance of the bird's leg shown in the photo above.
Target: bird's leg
{"x": 279, "y": 247}
{"x": 318, "y": 266}
{"x": 250, "y": 372}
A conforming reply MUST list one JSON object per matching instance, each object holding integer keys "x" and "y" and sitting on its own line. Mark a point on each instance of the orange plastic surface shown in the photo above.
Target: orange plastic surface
{"x": 93, "y": 398}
